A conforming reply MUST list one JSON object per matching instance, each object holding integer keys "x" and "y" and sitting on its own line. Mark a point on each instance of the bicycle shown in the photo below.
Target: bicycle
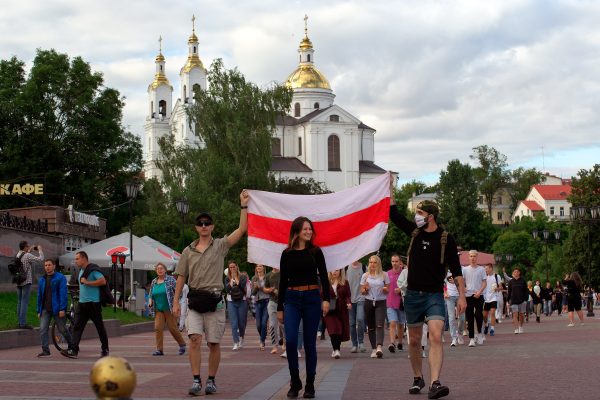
{"x": 57, "y": 338}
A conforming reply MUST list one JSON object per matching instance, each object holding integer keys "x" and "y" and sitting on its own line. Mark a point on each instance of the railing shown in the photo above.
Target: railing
{"x": 23, "y": 223}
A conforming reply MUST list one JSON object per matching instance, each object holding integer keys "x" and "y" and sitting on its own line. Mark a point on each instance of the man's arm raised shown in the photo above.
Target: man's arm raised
{"x": 236, "y": 235}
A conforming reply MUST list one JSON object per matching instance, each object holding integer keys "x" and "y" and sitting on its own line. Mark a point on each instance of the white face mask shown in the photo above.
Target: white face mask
{"x": 420, "y": 220}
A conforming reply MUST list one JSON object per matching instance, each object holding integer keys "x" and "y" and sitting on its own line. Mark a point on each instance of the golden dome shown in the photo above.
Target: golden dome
{"x": 159, "y": 58}
{"x": 306, "y": 44}
{"x": 307, "y": 76}
{"x": 193, "y": 38}
{"x": 159, "y": 79}
{"x": 193, "y": 61}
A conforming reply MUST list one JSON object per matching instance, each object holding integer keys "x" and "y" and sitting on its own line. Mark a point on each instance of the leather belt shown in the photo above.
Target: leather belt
{"x": 303, "y": 288}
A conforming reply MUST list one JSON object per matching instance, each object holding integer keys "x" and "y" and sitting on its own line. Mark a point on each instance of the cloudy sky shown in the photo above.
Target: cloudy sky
{"x": 435, "y": 78}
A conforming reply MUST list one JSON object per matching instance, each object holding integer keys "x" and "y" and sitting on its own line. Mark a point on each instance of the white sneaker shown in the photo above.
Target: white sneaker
{"x": 337, "y": 355}
{"x": 354, "y": 349}
{"x": 460, "y": 340}
{"x": 379, "y": 352}
{"x": 374, "y": 353}
{"x": 299, "y": 354}
{"x": 453, "y": 344}
{"x": 333, "y": 354}
{"x": 480, "y": 339}
{"x": 361, "y": 348}
{"x": 236, "y": 347}
{"x": 318, "y": 334}
{"x": 571, "y": 324}
{"x": 472, "y": 343}
{"x": 424, "y": 355}
{"x": 241, "y": 344}
{"x": 517, "y": 331}
{"x": 283, "y": 355}
{"x": 520, "y": 329}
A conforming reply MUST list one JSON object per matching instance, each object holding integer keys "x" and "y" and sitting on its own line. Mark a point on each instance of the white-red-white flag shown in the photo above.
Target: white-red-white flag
{"x": 348, "y": 224}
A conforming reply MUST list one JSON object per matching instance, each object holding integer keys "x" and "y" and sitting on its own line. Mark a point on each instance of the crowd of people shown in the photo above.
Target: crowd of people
{"x": 413, "y": 305}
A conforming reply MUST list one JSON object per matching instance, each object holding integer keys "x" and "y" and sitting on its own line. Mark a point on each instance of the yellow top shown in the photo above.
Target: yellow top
{"x": 159, "y": 79}
{"x": 193, "y": 61}
{"x": 307, "y": 76}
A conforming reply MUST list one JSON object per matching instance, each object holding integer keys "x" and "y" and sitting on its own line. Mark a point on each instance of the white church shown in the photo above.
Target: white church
{"x": 319, "y": 140}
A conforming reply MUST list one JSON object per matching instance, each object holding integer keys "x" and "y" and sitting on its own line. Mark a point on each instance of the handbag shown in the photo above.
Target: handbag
{"x": 203, "y": 301}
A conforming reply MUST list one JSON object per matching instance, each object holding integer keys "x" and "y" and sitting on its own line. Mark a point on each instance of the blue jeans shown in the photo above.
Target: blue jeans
{"x": 262, "y": 316}
{"x": 548, "y": 307}
{"x": 357, "y": 323}
{"x": 305, "y": 306}
{"x": 238, "y": 316}
{"x": 60, "y": 324}
{"x": 22, "y": 303}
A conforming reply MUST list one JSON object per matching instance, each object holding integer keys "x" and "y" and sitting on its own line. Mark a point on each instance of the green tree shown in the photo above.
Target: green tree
{"x": 457, "y": 199}
{"x": 491, "y": 174}
{"x": 300, "y": 186}
{"x": 60, "y": 125}
{"x": 582, "y": 249}
{"x": 521, "y": 181}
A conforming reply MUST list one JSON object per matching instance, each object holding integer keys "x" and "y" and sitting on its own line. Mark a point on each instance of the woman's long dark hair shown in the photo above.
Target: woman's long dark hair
{"x": 295, "y": 232}
{"x": 577, "y": 279}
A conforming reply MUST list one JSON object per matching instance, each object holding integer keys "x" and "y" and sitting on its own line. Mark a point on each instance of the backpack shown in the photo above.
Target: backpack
{"x": 236, "y": 293}
{"x": 443, "y": 241}
{"x": 17, "y": 270}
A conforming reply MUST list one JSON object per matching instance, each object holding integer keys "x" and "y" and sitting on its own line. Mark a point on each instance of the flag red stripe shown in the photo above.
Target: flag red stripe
{"x": 329, "y": 232}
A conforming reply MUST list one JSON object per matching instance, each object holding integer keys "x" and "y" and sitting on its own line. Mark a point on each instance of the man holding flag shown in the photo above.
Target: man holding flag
{"x": 430, "y": 252}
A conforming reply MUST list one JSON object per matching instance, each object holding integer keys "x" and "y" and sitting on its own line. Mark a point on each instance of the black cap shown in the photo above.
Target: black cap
{"x": 204, "y": 215}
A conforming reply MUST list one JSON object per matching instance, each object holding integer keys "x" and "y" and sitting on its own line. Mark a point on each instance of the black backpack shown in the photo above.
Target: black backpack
{"x": 15, "y": 267}
{"x": 106, "y": 296}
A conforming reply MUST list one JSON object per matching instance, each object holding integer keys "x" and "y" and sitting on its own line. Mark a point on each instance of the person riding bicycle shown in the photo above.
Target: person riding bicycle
{"x": 52, "y": 303}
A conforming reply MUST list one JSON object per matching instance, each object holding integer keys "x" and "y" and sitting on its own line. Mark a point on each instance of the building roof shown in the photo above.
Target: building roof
{"x": 288, "y": 164}
{"x": 364, "y": 126}
{"x": 532, "y": 205}
{"x": 369, "y": 167}
{"x": 553, "y": 192}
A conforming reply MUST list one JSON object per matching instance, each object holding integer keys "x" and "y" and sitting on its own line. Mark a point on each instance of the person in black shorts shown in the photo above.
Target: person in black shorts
{"x": 428, "y": 260}
{"x": 573, "y": 285}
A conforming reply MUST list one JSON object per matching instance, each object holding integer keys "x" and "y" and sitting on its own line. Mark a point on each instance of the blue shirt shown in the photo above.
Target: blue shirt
{"x": 87, "y": 293}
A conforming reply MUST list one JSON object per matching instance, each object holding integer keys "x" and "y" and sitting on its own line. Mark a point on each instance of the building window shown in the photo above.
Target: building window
{"x": 276, "y": 147}
{"x": 499, "y": 215}
{"x": 297, "y": 110}
{"x": 316, "y": 106}
{"x": 195, "y": 89}
{"x": 299, "y": 146}
{"x": 333, "y": 153}
{"x": 152, "y": 109}
{"x": 551, "y": 210}
{"x": 194, "y": 49}
{"x": 308, "y": 57}
{"x": 334, "y": 118}
{"x": 185, "y": 99}
{"x": 562, "y": 211}
{"x": 162, "y": 108}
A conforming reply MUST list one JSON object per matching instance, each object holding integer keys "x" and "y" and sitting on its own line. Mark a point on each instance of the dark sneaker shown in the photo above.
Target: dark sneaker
{"x": 437, "y": 390}
{"x": 103, "y": 353}
{"x": 392, "y": 348}
{"x": 418, "y": 384}
{"x": 158, "y": 353}
{"x": 44, "y": 354}
{"x": 182, "y": 349}
{"x": 69, "y": 353}
{"x": 485, "y": 330}
{"x": 399, "y": 347}
{"x": 211, "y": 387}
{"x": 196, "y": 389}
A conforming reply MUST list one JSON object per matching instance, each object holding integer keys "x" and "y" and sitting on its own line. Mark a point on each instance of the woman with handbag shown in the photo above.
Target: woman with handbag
{"x": 262, "y": 301}
{"x": 161, "y": 298}
{"x": 375, "y": 284}
{"x": 237, "y": 306}
{"x": 337, "y": 320}
{"x": 302, "y": 269}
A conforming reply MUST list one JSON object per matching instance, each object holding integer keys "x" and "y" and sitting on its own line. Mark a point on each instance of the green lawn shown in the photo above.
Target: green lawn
{"x": 8, "y": 312}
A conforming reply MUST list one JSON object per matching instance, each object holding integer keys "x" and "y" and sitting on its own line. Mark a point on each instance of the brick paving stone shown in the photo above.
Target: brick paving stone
{"x": 548, "y": 361}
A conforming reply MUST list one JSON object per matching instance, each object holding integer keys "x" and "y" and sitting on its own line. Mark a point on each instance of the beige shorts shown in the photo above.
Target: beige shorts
{"x": 211, "y": 325}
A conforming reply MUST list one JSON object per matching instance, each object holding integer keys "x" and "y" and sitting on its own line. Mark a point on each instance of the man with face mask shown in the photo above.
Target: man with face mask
{"x": 430, "y": 254}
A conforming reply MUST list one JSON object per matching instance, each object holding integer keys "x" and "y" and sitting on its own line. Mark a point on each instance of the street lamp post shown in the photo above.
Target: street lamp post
{"x": 505, "y": 259}
{"x": 131, "y": 188}
{"x": 183, "y": 208}
{"x": 546, "y": 237}
{"x": 580, "y": 215}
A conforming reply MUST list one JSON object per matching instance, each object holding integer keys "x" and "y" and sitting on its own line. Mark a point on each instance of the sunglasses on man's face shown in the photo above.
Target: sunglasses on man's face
{"x": 203, "y": 223}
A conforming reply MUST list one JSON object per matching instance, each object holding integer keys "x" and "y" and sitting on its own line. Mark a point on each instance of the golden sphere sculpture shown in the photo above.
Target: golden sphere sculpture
{"x": 112, "y": 378}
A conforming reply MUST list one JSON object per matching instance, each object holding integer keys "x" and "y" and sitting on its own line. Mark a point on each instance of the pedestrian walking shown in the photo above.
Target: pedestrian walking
{"x": 475, "y": 282}
{"x": 336, "y": 320}
{"x": 162, "y": 293}
{"x": 27, "y": 260}
{"x": 302, "y": 269}
{"x": 375, "y": 285}
{"x": 357, "y": 312}
{"x": 394, "y": 306}
{"x": 237, "y": 304}
{"x": 517, "y": 297}
{"x": 275, "y": 328}
{"x": 262, "y": 303}
{"x": 573, "y": 284}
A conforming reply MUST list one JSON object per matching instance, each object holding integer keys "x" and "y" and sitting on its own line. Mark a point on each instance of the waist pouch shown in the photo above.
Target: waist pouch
{"x": 203, "y": 301}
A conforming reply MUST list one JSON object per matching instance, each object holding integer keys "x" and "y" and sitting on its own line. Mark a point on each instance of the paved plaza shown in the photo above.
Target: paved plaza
{"x": 548, "y": 361}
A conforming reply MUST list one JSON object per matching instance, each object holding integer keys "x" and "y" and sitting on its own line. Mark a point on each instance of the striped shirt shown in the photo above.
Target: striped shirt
{"x": 28, "y": 260}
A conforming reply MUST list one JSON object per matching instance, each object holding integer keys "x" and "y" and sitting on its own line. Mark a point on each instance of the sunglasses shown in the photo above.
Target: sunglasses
{"x": 204, "y": 223}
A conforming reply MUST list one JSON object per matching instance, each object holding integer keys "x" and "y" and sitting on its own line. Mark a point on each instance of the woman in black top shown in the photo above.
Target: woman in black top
{"x": 573, "y": 285}
{"x": 302, "y": 271}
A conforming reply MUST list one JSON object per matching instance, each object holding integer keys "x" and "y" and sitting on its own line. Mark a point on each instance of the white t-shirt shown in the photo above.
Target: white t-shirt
{"x": 375, "y": 286}
{"x": 451, "y": 288}
{"x": 491, "y": 290}
{"x": 473, "y": 276}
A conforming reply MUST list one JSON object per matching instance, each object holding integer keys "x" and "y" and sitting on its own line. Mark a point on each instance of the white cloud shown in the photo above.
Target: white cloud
{"x": 434, "y": 78}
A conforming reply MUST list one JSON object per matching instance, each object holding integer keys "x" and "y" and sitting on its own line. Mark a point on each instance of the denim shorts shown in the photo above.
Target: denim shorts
{"x": 396, "y": 315}
{"x": 421, "y": 307}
